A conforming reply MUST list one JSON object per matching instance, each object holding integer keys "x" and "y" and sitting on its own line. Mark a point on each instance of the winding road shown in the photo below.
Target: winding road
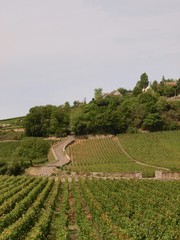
{"x": 59, "y": 153}
{"x": 60, "y": 156}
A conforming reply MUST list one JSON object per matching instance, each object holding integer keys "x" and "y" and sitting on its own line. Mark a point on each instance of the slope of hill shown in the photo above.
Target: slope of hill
{"x": 158, "y": 150}
{"x": 11, "y": 123}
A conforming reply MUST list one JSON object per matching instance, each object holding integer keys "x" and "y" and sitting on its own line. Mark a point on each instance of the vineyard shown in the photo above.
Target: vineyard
{"x": 42, "y": 208}
{"x": 102, "y": 155}
{"x": 118, "y": 154}
{"x": 159, "y": 149}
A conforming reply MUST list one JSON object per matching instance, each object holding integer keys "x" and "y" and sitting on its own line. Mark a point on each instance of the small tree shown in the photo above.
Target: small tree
{"x": 144, "y": 82}
{"x": 97, "y": 93}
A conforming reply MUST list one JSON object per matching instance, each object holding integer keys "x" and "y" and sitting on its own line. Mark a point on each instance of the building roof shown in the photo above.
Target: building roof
{"x": 172, "y": 84}
{"x": 113, "y": 93}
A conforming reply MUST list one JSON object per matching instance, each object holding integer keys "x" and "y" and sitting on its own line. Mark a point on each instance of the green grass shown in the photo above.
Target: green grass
{"x": 10, "y": 135}
{"x": 7, "y": 150}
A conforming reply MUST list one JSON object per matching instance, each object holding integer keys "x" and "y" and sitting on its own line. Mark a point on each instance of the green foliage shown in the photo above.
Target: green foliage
{"x": 153, "y": 122}
{"x": 157, "y": 148}
{"x": 123, "y": 91}
{"x": 97, "y": 93}
{"x": 45, "y": 120}
{"x": 131, "y": 130}
{"x": 141, "y": 108}
{"x": 33, "y": 148}
{"x": 11, "y": 123}
{"x": 15, "y": 168}
{"x": 7, "y": 149}
{"x": 16, "y": 156}
{"x": 137, "y": 90}
{"x": 144, "y": 82}
{"x": 37, "y": 121}
{"x": 107, "y": 155}
{"x": 10, "y": 135}
{"x": 41, "y": 208}
{"x": 102, "y": 155}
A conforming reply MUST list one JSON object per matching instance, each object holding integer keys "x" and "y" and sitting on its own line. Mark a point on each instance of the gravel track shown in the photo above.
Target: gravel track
{"x": 60, "y": 153}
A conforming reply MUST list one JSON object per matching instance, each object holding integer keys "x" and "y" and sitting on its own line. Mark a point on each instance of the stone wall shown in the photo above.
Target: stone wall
{"x": 167, "y": 175}
{"x": 105, "y": 175}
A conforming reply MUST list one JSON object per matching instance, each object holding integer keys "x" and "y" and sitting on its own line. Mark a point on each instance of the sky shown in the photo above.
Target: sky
{"x": 53, "y": 51}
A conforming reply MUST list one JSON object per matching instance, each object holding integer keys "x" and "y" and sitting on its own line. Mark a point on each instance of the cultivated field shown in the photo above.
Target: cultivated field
{"x": 35, "y": 208}
{"x": 126, "y": 152}
{"x": 42, "y": 208}
{"x": 159, "y": 148}
{"x": 11, "y": 123}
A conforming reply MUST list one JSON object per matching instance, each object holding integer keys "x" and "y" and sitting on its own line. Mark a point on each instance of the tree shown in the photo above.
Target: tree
{"x": 123, "y": 91}
{"x": 137, "y": 90}
{"x": 37, "y": 121}
{"x": 153, "y": 122}
{"x": 154, "y": 86}
{"x": 33, "y": 148}
{"x": 144, "y": 82}
{"x": 97, "y": 93}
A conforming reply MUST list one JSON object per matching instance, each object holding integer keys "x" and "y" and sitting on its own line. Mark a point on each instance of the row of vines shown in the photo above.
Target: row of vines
{"x": 41, "y": 208}
{"x": 102, "y": 155}
{"x": 158, "y": 148}
{"x": 121, "y": 153}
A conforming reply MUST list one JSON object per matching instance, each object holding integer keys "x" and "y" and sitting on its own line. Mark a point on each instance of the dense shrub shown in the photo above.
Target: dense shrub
{"x": 33, "y": 148}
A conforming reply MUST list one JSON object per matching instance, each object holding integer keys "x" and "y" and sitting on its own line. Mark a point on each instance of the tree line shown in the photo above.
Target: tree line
{"x": 147, "y": 107}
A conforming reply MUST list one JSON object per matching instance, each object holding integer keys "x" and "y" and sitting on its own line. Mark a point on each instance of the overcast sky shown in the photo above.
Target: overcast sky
{"x": 53, "y": 51}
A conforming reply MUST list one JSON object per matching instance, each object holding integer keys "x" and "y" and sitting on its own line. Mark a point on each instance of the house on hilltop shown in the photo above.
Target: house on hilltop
{"x": 113, "y": 93}
{"x": 171, "y": 84}
{"x": 148, "y": 88}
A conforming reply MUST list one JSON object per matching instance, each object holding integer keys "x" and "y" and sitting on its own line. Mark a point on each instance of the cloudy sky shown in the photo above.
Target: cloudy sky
{"x": 53, "y": 51}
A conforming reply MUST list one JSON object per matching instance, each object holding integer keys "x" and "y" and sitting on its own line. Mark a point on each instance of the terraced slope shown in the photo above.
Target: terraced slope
{"x": 102, "y": 155}
{"x": 127, "y": 153}
{"x": 159, "y": 148}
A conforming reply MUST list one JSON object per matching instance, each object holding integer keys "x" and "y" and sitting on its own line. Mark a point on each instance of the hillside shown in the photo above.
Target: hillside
{"x": 159, "y": 148}
{"x": 11, "y": 123}
{"x": 126, "y": 152}
{"x": 65, "y": 207}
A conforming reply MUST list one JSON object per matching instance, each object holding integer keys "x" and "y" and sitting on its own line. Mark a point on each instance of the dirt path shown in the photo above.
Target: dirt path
{"x": 60, "y": 153}
{"x": 136, "y": 161}
{"x": 51, "y": 168}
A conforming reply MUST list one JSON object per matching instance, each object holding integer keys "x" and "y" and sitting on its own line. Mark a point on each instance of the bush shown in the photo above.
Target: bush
{"x": 15, "y": 168}
{"x": 132, "y": 130}
{"x": 33, "y": 148}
